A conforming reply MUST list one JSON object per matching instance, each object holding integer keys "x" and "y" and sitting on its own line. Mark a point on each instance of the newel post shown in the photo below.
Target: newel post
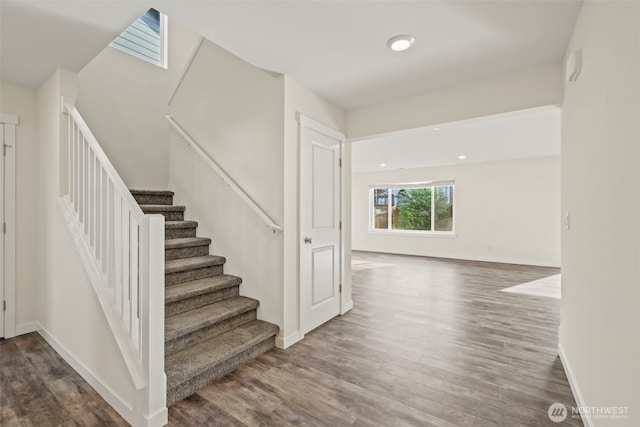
{"x": 154, "y": 397}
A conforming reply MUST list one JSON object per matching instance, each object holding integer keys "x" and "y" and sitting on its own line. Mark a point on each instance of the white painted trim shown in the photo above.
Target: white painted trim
{"x": 346, "y": 306}
{"x": 159, "y": 419}
{"x": 289, "y": 340}
{"x": 110, "y": 396}
{"x": 427, "y": 184}
{"x": 577, "y": 395}
{"x": 498, "y": 260}
{"x": 309, "y": 123}
{"x": 10, "y": 121}
{"x": 419, "y": 233}
{"x": 164, "y": 46}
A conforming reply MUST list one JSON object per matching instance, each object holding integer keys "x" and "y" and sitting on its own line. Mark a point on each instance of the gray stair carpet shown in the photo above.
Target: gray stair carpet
{"x": 210, "y": 330}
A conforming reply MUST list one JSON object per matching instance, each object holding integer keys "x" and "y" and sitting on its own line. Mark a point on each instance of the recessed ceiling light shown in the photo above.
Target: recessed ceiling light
{"x": 383, "y": 165}
{"x": 462, "y": 157}
{"x": 400, "y": 42}
{"x": 436, "y": 128}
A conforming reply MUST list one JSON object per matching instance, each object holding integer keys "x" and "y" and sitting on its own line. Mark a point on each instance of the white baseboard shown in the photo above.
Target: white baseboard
{"x": 159, "y": 419}
{"x": 346, "y": 307}
{"x": 27, "y": 328}
{"x": 288, "y": 341}
{"x": 573, "y": 384}
{"x": 512, "y": 261}
{"x": 498, "y": 260}
{"x": 111, "y": 397}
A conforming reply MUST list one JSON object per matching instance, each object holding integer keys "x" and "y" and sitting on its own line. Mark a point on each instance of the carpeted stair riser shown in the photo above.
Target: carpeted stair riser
{"x": 168, "y": 215}
{"x": 191, "y": 295}
{"x": 170, "y": 212}
{"x": 219, "y": 328}
{"x": 179, "y": 233}
{"x": 179, "y": 253}
{"x": 173, "y": 308}
{"x": 151, "y": 197}
{"x": 194, "y": 268}
{"x": 194, "y": 274}
{"x": 218, "y": 371}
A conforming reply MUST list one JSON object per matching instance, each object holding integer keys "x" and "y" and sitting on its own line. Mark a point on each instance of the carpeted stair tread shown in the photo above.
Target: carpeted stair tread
{"x": 184, "y": 264}
{"x": 180, "y": 224}
{"x": 200, "y": 287}
{"x": 137, "y": 192}
{"x": 186, "y": 242}
{"x": 199, "y": 358}
{"x": 203, "y": 317}
{"x": 162, "y": 208}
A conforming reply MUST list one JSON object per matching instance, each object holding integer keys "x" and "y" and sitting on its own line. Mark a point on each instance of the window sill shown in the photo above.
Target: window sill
{"x": 445, "y": 234}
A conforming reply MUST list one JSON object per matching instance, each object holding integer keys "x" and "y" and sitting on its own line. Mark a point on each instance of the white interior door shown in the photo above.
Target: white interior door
{"x": 8, "y": 124}
{"x": 2, "y": 278}
{"x": 320, "y": 223}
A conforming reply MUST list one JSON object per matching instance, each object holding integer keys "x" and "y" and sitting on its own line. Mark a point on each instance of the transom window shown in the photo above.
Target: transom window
{"x": 145, "y": 38}
{"x": 415, "y": 207}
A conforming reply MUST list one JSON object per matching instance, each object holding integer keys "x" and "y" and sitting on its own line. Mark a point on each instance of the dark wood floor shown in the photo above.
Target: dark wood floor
{"x": 429, "y": 343}
{"x": 38, "y": 388}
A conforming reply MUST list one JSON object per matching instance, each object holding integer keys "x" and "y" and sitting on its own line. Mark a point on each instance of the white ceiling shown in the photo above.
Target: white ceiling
{"x": 526, "y": 134}
{"x": 336, "y": 48}
{"x": 339, "y": 50}
{"x": 38, "y": 37}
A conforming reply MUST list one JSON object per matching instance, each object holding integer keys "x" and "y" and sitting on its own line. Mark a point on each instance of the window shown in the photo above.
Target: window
{"x": 145, "y": 38}
{"x": 415, "y": 207}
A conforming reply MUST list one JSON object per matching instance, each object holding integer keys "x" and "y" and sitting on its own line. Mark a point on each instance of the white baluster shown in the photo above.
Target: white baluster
{"x": 134, "y": 283}
{"x": 126, "y": 264}
{"x": 69, "y": 163}
{"x": 110, "y": 232}
{"x": 117, "y": 249}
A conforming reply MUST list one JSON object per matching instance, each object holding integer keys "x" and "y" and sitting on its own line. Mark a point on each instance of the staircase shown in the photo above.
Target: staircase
{"x": 209, "y": 329}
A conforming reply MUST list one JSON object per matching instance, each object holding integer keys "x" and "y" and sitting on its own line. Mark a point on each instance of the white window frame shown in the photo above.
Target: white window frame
{"x": 164, "y": 44}
{"x": 428, "y": 184}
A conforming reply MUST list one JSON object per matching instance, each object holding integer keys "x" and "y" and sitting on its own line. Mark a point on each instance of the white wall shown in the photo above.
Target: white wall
{"x": 600, "y": 322}
{"x": 124, "y": 100}
{"x": 67, "y": 308}
{"x": 506, "y": 211}
{"x": 22, "y": 102}
{"x": 521, "y": 90}
{"x": 299, "y": 99}
{"x": 235, "y": 112}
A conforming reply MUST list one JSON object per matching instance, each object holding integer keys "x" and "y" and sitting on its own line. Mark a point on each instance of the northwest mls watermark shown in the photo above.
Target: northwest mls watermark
{"x": 558, "y": 412}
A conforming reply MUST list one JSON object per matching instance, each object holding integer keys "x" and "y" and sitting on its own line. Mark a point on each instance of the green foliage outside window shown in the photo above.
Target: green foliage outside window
{"x": 414, "y": 210}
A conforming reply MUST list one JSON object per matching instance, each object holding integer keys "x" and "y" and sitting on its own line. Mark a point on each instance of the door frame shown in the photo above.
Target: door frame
{"x": 10, "y": 123}
{"x": 309, "y": 123}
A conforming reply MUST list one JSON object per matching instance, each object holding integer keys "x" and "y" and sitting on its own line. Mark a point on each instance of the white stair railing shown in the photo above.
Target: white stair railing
{"x": 225, "y": 177}
{"x": 123, "y": 251}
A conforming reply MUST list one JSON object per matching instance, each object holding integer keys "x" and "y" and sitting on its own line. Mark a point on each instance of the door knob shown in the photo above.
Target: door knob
{"x": 308, "y": 240}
